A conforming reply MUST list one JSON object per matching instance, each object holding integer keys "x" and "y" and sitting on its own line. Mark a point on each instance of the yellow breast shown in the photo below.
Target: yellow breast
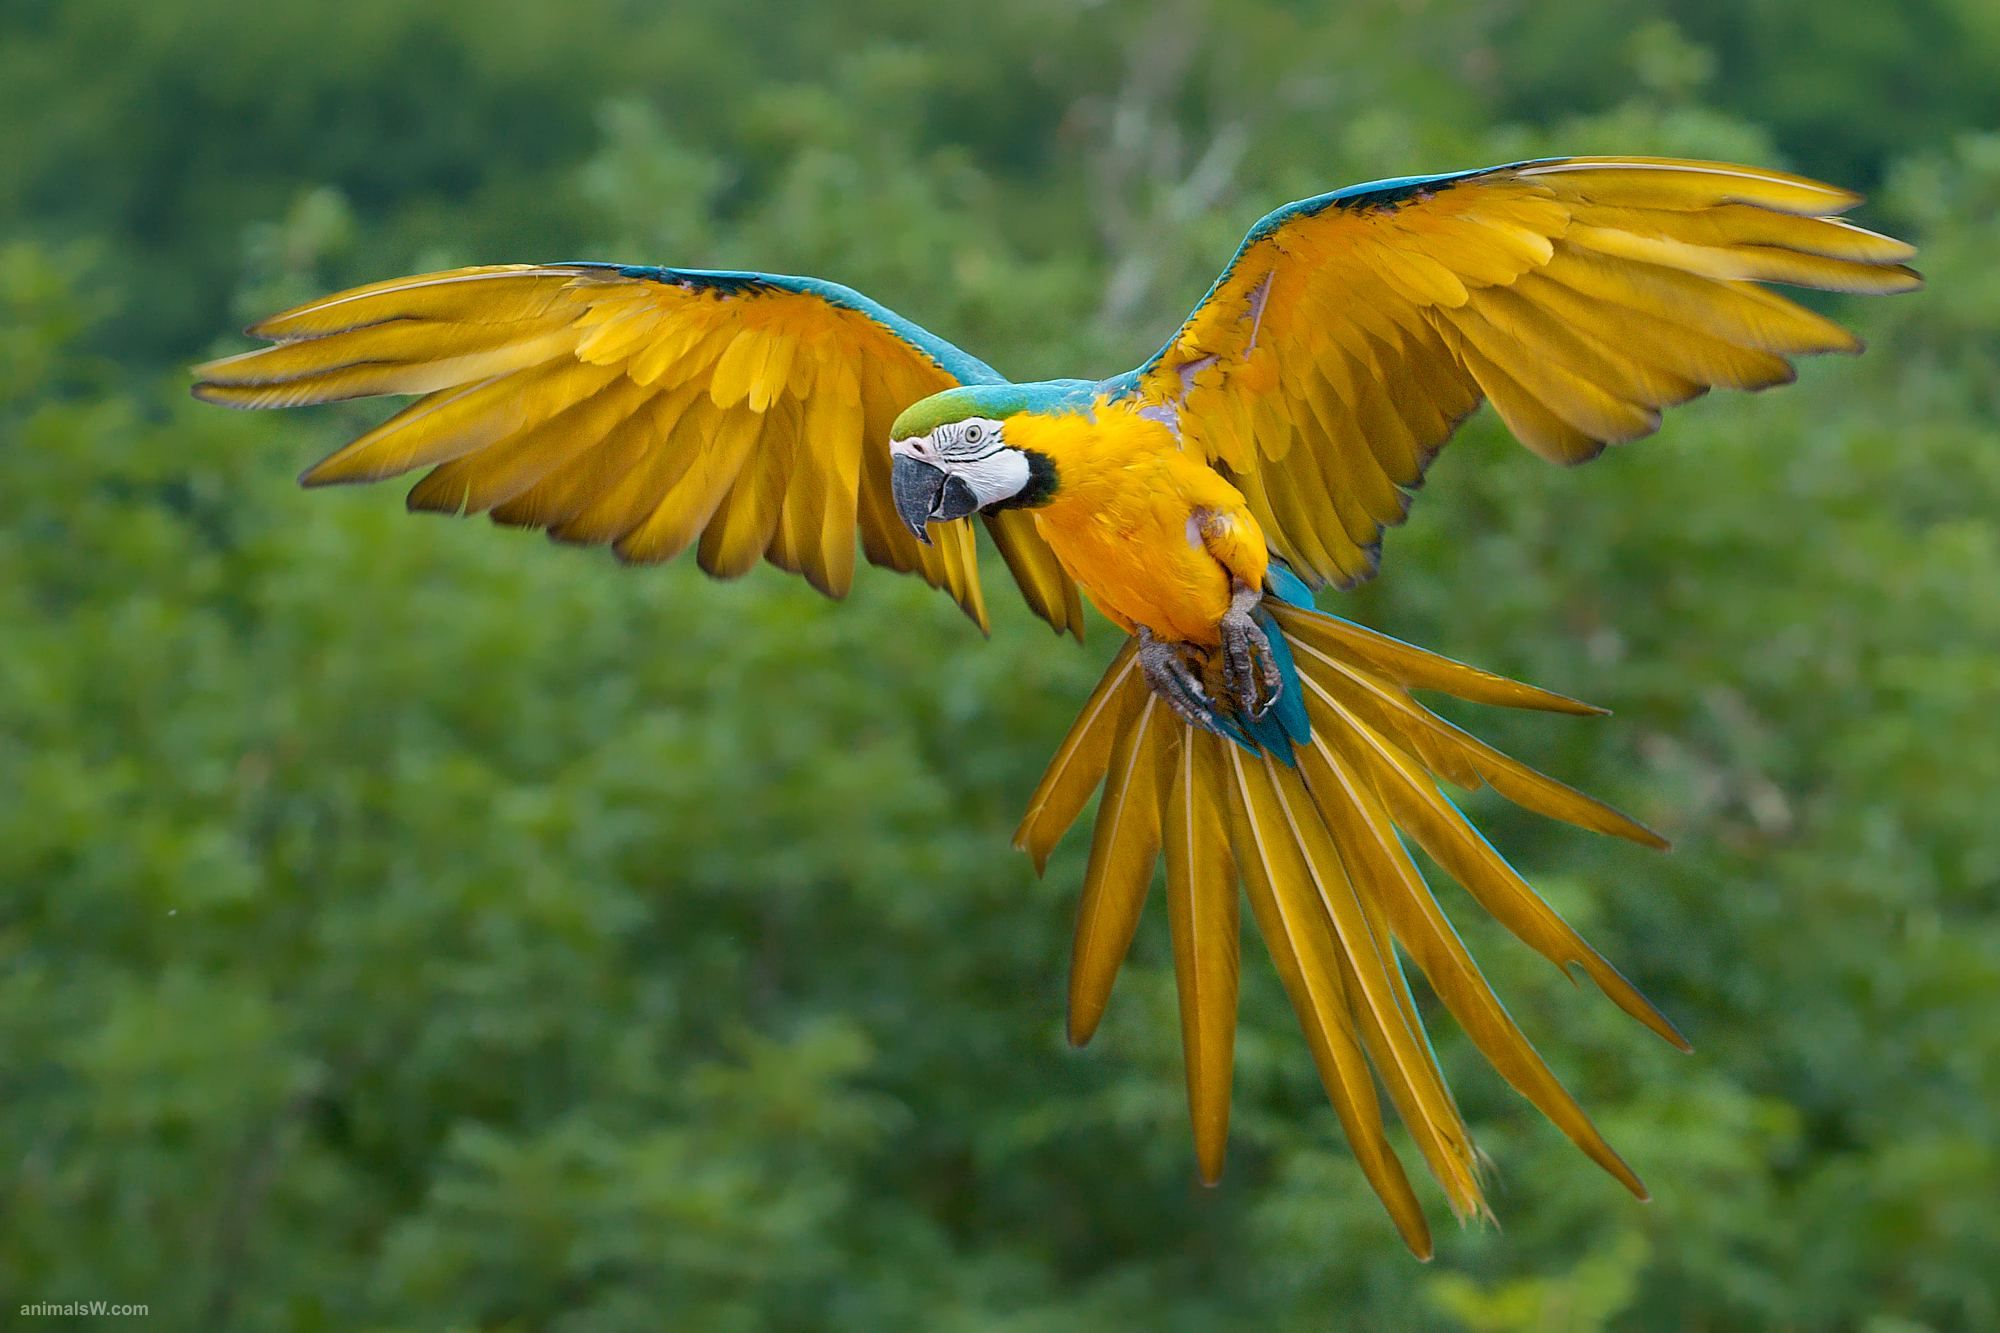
{"x": 1125, "y": 520}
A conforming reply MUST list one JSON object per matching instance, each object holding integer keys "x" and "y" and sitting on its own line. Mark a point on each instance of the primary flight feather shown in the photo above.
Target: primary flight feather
{"x": 1246, "y": 737}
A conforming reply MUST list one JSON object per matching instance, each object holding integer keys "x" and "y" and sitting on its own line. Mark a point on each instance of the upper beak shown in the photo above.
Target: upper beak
{"x": 916, "y": 486}
{"x": 925, "y": 494}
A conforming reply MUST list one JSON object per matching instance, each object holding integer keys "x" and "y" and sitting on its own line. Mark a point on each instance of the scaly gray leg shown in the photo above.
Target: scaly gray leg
{"x": 1175, "y": 679}
{"x": 1248, "y": 667}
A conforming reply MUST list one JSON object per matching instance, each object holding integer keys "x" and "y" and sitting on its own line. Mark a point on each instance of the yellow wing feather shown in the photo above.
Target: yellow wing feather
{"x": 1580, "y": 296}
{"x": 648, "y": 409}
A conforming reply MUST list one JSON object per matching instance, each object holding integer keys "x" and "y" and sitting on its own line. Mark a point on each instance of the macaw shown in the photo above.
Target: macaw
{"x": 1198, "y": 501}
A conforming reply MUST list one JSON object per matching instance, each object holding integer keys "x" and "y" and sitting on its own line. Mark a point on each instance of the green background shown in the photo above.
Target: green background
{"x": 408, "y": 925}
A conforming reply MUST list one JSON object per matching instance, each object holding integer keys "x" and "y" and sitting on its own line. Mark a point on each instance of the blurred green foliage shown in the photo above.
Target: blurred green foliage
{"x": 405, "y": 925}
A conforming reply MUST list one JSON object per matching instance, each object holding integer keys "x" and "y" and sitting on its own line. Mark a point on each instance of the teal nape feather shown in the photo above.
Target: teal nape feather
{"x": 994, "y": 401}
{"x": 1262, "y": 749}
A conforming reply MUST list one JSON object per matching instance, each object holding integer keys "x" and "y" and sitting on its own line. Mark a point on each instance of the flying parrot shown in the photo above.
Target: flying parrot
{"x": 1198, "y": 501}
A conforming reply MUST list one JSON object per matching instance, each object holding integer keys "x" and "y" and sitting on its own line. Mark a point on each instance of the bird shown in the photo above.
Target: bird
{"x": 1262, "y": 748}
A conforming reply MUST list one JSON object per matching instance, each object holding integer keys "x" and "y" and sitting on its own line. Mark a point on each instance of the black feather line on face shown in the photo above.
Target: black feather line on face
{"x": 1041, "y": 487}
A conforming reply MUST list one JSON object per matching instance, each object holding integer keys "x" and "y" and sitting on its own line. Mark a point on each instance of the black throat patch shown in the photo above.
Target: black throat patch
{"x": 1041, "y": 487}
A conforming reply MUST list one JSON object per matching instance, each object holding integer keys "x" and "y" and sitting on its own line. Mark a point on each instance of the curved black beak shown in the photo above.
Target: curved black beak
{"x": 925, "y": 494}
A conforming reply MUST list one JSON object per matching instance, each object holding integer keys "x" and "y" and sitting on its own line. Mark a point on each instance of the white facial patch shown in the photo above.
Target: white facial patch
{"x": 1000, "y": 475}
{"x": 976, "y": 451}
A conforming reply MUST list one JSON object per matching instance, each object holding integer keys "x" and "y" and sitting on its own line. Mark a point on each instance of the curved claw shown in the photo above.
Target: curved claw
{"x": 1176, "y": 679}
{"x": 1249, "y": 668}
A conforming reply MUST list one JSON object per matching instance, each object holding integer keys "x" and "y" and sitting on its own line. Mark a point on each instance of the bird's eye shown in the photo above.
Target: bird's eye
{"x": 975, "y": 433}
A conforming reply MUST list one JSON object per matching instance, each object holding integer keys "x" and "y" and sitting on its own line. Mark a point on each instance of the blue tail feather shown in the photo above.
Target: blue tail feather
{"x": 1280, "y": 582}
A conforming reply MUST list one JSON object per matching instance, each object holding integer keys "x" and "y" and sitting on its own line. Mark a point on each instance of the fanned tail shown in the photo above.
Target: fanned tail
{"x": 1316, "y": 837}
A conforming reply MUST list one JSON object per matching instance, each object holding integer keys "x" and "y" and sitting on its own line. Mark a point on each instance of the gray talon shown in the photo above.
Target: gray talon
{"x": 1175, "y": 679}
{"x": 1249, "y": 668}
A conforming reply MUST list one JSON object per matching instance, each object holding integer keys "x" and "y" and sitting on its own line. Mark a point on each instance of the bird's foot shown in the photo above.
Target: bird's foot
{"x": 1174, "y": 672}
{"x": 1249, "y": 668}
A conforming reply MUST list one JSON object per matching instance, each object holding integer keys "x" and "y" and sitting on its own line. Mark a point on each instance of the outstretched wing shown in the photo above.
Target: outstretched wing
{"x": 1353, "y": 331}
{"x": 647, "y": 408}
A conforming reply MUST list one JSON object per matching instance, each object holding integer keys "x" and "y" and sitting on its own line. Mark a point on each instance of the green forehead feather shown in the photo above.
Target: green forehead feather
{"x": 995, "y": 401}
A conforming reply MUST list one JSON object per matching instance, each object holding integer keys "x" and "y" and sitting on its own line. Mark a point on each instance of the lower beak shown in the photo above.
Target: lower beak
{"x": 916, "y": 487}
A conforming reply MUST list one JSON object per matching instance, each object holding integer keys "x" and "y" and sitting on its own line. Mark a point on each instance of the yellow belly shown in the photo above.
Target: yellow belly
{"x": 1126, "y": 522}
{"x": 1139, "y": 567}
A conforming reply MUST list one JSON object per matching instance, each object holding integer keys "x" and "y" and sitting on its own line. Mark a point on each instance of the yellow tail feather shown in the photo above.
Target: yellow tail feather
{"x": 1318, "y": 844}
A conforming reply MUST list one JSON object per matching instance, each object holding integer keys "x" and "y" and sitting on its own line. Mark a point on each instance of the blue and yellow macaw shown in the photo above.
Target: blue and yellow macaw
{"x": 1197, "y": 500}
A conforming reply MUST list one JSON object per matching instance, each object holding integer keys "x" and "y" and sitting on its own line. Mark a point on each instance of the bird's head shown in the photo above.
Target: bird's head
{"x": 950, "y": 457}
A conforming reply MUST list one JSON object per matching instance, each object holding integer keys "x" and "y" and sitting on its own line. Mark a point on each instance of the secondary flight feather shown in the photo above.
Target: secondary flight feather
{"x": 1259, "y": 746}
